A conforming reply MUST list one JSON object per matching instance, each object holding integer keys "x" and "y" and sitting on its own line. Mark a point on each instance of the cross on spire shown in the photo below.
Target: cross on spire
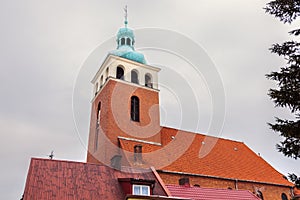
{"x": 125, "y": 15}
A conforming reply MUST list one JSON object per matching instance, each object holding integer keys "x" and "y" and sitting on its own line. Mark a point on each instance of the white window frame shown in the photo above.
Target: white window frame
{"x": 141, "y": 187}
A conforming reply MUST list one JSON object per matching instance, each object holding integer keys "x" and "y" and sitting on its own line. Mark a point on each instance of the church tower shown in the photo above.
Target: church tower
{"x": 126, "y": 101}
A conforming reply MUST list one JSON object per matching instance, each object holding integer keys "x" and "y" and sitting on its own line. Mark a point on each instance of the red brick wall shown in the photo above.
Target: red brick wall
{"x": 115, "y": 118}
{"x": 270, "y": 192}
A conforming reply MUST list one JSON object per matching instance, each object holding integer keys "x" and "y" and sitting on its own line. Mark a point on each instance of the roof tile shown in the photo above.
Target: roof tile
{"x": 183, "y": 151}
{"x": 197, "y": 193}
{"x": 54, "y": 179}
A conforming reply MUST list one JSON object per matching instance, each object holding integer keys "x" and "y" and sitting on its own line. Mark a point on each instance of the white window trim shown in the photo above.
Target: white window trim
{"x": 141, "y": 186}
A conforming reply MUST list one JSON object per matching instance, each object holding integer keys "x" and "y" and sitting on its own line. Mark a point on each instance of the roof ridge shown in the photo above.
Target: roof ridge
{"x": 208, "y": 188}
{"x": 66, "y": 161}
{"x": 197, "y": 133}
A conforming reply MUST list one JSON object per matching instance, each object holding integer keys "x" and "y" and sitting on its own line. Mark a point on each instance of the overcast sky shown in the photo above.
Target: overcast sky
{"x": 45, "y": 45}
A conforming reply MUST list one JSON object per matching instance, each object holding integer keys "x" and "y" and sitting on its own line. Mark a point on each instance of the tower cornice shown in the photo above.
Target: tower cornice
{"x": 109, "y": 59}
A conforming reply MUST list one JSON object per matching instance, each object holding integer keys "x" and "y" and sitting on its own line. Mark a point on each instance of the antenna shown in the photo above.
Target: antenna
{"x": 51, "y": 156}
{"x": 125, "y": 15}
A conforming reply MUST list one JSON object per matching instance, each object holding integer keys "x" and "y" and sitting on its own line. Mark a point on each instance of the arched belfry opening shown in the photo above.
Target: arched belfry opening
{"x": 128, "y": 41}
{"x": 134, "y": 77}
{"x": 96, "y": 89}
{"x": 148, "y": 81}
{"x": 120, "y": 73}
{"x": 122, "y": 41}
{"x": 135, "y": 109}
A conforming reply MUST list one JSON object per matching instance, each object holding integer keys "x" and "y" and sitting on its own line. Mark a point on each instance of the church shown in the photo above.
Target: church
{"x": 125, "y": 136}
{"x": 125, "y": 130}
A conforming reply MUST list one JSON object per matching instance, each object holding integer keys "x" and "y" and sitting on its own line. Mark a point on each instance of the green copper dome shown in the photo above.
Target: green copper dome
{"x": 128, "y": 53}
{"x": 125, "y": 32}
{"x": 125, "y": 49}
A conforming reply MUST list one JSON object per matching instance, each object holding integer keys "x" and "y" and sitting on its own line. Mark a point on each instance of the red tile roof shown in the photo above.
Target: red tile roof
{"x": 183, "y": 151}
{"x": 54, "y": 179}
{"x": 197, "y": 193}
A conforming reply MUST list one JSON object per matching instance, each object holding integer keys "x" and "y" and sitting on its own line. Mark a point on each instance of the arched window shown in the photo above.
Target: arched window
{"x": 97, "y": 125}
{"x": 120, "y": 73}
{"x": 122, "y": 41}
{"x": 148, "y": 81}
{"x": 106, "y": 73}
{"x": 134, "y": 77}
{"x": 101, "y": 81}
{"x": 135, "y": 109}
{"x": 284, "y": 197}
{"x": 128, "y": 41}
{"x": 96, "y": 89}
{"x": 98, "y": 112}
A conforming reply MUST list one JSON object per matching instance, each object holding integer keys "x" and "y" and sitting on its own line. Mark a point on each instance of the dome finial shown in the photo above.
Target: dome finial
{"x": 125, "y": 15}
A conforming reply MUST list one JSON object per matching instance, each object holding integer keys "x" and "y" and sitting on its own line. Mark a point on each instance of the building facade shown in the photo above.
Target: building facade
{"x": 125, "y": 128}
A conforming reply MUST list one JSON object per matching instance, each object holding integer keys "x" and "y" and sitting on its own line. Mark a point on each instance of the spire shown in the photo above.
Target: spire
{"x": 125, "y": 43}
{"x": 125, "y": 15}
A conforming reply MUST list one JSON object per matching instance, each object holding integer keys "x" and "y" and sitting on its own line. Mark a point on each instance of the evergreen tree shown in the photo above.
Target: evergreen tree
{"x": 287, "y": 93}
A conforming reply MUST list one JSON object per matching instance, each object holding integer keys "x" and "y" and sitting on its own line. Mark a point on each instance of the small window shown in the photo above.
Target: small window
{"x": 134, "y": 77}
{"x": 141, "y": 190}
{"x": 138, "y": 153}
{"x": 260, "y": 195}
{"x": 148, "y": 81}
{"x": 120, "y": 73}
{"x": 128, "y": 41}
{"x": 122, "y": 41}
{"x": 135, "y": 109}
{"x": 284, "y": 196}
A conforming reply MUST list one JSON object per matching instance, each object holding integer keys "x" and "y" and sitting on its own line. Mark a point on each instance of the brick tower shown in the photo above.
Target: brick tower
{"x": 125, "y": 103}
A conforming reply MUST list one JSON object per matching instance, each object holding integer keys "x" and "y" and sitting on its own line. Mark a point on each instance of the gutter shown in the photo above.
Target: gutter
{"x": 218, "y": 177}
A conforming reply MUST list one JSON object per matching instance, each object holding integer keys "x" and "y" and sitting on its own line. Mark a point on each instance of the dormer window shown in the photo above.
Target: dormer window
{"x": 133, "y": 186}
{"x": 141, "y": 190}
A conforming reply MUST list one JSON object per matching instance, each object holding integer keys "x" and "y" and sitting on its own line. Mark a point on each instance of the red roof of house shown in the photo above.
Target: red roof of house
{"x": 55, "y": 179}
{"x": 198, "y": 193}
{"x": 182, "y": 151}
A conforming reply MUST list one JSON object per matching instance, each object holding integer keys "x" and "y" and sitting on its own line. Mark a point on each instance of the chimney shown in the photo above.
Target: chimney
{"x": 184, "y": 182}
{"x": 138, "y": 159}
{"x": 115, "y": 162}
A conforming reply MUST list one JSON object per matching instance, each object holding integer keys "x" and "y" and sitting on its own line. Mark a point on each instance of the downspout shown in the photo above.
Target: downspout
{"x": 236, "y": 184}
